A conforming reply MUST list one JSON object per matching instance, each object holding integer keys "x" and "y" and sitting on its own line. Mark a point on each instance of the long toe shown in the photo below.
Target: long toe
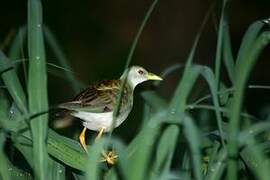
{"x": 110, "y": 157}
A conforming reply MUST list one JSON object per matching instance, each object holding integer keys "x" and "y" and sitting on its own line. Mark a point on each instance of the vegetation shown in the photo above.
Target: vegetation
{"x": 170, "y": 145}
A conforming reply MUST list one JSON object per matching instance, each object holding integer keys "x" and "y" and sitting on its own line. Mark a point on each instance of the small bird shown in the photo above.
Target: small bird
{"x": 95, "y": 105}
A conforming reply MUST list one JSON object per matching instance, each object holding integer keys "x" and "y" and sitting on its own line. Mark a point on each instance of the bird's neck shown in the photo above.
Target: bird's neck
{"x": 131, "y": 84}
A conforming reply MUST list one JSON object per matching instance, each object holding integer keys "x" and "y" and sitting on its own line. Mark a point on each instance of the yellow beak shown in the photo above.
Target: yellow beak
{"x": 151, "y": 76}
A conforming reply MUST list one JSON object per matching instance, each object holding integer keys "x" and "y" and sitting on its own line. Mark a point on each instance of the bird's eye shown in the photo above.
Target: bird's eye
{"x": 141, "y": 72}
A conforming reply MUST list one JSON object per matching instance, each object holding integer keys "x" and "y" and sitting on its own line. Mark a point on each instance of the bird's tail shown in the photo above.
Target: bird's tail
{"x": 62, "y": 119}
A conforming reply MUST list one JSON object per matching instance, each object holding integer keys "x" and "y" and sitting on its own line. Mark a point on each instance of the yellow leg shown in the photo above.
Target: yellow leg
{"x": 82, "y": 139}
{"x": 111, "y": 156}
{"x": 100, "y": 133}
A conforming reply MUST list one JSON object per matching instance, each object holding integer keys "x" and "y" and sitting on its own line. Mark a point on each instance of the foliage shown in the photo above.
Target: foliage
{"x": 170, "y": 143}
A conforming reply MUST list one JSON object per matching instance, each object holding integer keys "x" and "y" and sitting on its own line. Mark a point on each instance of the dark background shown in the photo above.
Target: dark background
{"x": 96, "y": 37}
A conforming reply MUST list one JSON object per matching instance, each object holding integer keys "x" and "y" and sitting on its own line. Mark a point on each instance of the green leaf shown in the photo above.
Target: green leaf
{"x": 16, "y": 48}
{"x": 227, "y": 51}
{"x": 4, "y": 172}
{"x": 129, "y": 58}
{"x": 154, "y": 100}
{"x": 165, "y": 150}
{"x": 54, "y": 45}
{"x": 244, "y": 65}
{"x": 66, "y": 150}
{"x": 139, "y": 150}
{"x": 255, "y": 159}
{"x": 93, "y": 170}
{"x": 58, "y": 170}
{"x": 12, "y": 83}
{"x": 208, "y": 74}
{"x": 192, "y": 134}
{"x": 218, "y": 166}
{"x": 37, "y": 88}
{"x": 220, "y": 43}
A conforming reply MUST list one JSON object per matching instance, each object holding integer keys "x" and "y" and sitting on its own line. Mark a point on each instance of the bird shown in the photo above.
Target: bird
{"x": 95, "y": 105}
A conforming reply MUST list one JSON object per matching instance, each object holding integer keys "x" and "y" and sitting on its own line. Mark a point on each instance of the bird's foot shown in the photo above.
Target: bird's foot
{"x": 110, "y": 157}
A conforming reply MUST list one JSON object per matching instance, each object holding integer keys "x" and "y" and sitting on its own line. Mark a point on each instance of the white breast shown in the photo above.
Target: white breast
{"x": 96, "y": 121}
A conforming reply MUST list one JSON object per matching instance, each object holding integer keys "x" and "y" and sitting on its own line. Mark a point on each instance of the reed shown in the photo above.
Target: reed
{"x": 170, "y": 144}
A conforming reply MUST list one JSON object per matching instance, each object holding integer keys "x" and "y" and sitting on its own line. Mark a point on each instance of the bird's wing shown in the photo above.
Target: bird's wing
{"x": 97, "y": 98}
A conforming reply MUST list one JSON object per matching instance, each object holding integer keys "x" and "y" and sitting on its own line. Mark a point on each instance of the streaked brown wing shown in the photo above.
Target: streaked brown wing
{"x": 98, "y": 98}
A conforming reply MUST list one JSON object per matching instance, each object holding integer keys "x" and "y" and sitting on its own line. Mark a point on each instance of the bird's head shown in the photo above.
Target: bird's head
{"x": 137, "y": 75}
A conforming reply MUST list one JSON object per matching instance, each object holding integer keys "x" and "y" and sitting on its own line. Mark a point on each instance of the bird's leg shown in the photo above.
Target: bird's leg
{"x": 100, "y": 133}
{"x": 111, "y": 156}
{"x": 82, "y": 139}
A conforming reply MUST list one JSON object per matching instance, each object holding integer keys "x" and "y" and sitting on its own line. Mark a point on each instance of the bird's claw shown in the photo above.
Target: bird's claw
{"x": 110, "y": 157}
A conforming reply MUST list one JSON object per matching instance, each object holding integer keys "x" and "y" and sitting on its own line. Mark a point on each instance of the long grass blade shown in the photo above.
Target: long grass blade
{"x": 192, "y": 134}
{"x": 165, "y": 151}
{"x": 220, "y": 43}
{"x": 93, "y": 170}
{"x": 129, "y": 58}
{"x": 4, "y": 172}
{"x": 244, "y": 66}
{"x": 228, "y": 58}
{"x": 255, "y": 159}
{"x": 52, "y": 42}
{"x": 138, "y": 152}
{"x": 37, "y": 88}
{"x": 217, "y": 168}
{"x": 208, "y": 74}
{"x": 16, "y": 49}
{"x": 58, "y": 171}
{"x": 12, "y": 83}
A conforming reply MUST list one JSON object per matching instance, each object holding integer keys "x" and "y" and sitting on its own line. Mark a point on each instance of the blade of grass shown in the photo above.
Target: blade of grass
{"x": 249, "y": 39}
{"x": 183, "y": 88}
{"x": 37, "y": 89}
{"x": 208, "y": 74}
{"x": 139, "y": 150}
{"x": 54, "y": 45}
{"x": 16, "y": 48}
{"x": 244, "y": 66}
{"x": 12, "y": 83}
{"x": 93, "y": 172}
{"x": 165, "y": 151}
{"x": 128, "y": 61}
{"x": 192, "y": 134}
{"x": 24, "y": 144}
{"x": 154, "y": 100}
{"x": 223, "y": 110}
{"x": 61, "y": 148}
{"x": 139, "y": 162}
{"x": 153, "y": 122}
{"x": 219, "y": 44}
{"x": 4, "y": 172}
{"x": 216, "y": 169}
{"x": 256, "y": 160}
{"x": 4, "y": 104}
{"x": 58, "y": 171}
{"x": 227, "y": 51}
{"x": 66, "y": 150}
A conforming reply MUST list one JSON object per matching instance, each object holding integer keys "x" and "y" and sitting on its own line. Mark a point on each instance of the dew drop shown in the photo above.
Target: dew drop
{"x": 173, "y": 111}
